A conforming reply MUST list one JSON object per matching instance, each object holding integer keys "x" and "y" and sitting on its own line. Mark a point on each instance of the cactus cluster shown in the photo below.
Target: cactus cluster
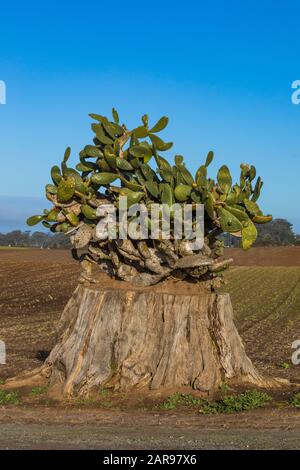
{"x": 119, "y": 164}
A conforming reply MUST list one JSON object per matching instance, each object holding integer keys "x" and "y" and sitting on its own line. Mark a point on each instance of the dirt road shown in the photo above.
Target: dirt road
{"x": 49, "y": 429}
{"x": 62, "y": 437}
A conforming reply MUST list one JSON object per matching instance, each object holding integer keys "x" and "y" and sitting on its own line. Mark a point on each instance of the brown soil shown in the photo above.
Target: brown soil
{"x": 34, "y": 288}
{"x": 265, "y": 256}
{"x": 108, "y": 429}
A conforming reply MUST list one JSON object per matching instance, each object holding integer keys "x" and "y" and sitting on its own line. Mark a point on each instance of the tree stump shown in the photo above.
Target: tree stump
{"x": 129, "y": 338}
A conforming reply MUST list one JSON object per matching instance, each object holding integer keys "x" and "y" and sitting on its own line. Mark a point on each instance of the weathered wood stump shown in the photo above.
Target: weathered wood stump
{"x": 145, "y": 338}
{"x": 119, "y": 338}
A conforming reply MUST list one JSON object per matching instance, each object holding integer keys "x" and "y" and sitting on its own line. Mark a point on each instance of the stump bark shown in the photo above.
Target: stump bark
{"x": 111, "y": 337}
{"x": 145, "y": 338}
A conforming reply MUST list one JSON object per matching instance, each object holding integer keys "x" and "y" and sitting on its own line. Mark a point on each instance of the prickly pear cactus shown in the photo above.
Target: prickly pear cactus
{"x": 119, "y": 164}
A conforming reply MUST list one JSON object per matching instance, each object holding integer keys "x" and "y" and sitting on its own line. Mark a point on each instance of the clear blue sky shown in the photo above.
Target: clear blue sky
{"x": 222, "y": 71}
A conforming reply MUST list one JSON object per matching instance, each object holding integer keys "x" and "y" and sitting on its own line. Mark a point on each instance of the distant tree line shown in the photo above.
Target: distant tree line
{"x": 34, "y": 239}
{"x": 279, "y": 232}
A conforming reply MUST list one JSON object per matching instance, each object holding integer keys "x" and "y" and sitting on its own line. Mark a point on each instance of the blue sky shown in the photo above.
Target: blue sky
{"x": 222, "y": 71}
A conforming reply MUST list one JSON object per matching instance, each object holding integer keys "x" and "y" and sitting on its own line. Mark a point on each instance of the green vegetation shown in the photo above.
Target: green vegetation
{"x": 246, "y": 401}
{"x": 119, "y": 154}
{"x": 22, "y": 240}
{"x": 103, "y": 392}
{"x": 118, "y": 164}
{"x": 180, "y": 399}
{"x": 36, "y": 391}
{"x": 13, "y": 248}
{"x": 9, "y": 398}
{"x": 277, "y": 293}
{"x": 295, "y": 400}
{"x": 224, "y": 388}
{"x": 279, "y": 232}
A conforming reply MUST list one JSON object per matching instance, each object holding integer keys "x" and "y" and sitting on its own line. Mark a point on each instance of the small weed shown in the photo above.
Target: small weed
{"x": 9, "y": 398}
{"x": 295, "y": 400}
{"x": 285, "y": 365}
{"x": 171, "y": 403}
{"x": 35, "y": 391}
{"x": 103, "y": 392}
{"x": 224, "y": 388}
{"x": 179, "y": 399}
{"x": 246, "y": 401}
{"x": 249, "y": 400}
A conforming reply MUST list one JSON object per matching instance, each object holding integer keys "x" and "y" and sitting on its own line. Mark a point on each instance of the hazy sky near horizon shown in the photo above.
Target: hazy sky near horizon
{"x": 222, "y": 71}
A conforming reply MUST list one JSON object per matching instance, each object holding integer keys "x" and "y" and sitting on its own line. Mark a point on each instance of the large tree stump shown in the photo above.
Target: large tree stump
{"x": 151, "y": 338}
{"x": 115, "y": 337}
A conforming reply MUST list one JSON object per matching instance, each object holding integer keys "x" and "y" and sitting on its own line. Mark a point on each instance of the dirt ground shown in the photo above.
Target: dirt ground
{"x": 265, "y": 256}
{"x": 107, "y": 429}
{"x": 36, "y": 284}
{"x": 34, "y": 288}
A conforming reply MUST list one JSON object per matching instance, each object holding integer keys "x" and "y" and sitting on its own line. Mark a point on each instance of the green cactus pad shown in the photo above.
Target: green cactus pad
{"x": 182, "y": 192}
{"x": 228, "y": 222}
{"x": 249, "y": 235}
{"x": 66, "y": 189}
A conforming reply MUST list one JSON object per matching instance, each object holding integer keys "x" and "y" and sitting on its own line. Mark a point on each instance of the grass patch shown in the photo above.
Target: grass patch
{"x": 9, "y": 398}
{"x": 180, "y": 399}
{"x": 36, "y": 391}
{"x": 295, "y": 400}
{"x": 14, "y": 247}
{"x": 249, "y": 400}
{"x": 103, "y": 392}
{"x": 224, "y": 388}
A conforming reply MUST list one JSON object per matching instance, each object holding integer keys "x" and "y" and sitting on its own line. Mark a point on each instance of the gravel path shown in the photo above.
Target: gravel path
{"x": 64, "y": 428}
{"x": 36, "y": 436}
